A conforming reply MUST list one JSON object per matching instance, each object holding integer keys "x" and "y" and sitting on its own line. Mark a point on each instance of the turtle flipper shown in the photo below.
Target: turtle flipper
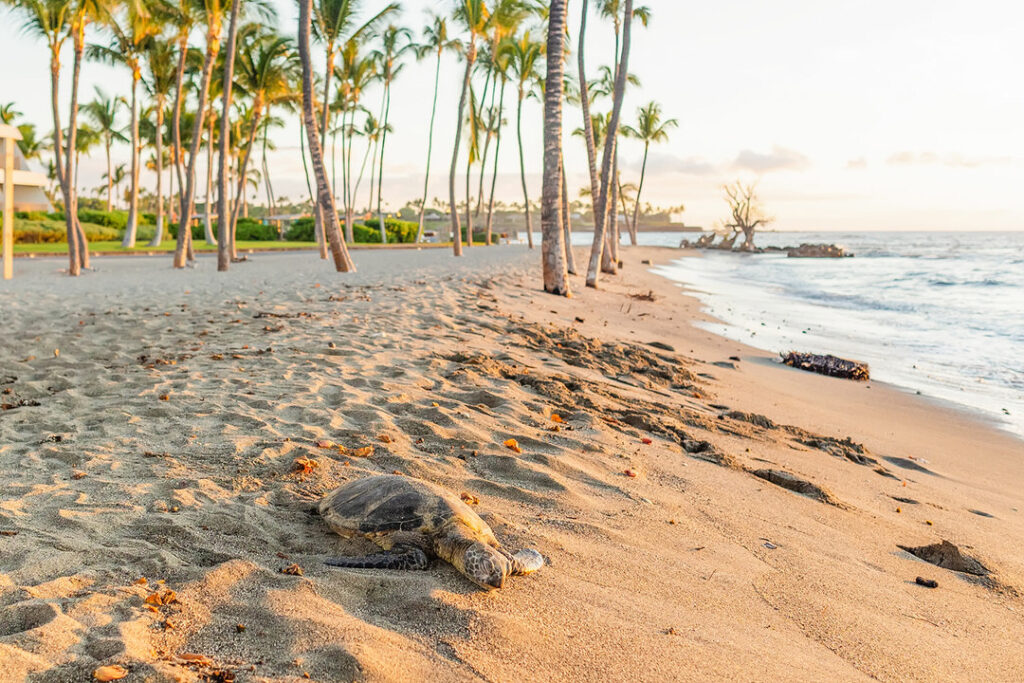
{"x": 406, "y": 558}
{"x": 525, "y": 561}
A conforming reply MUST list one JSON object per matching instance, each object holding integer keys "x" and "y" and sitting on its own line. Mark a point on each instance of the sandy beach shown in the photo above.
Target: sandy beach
{"x": 151, "y": 496}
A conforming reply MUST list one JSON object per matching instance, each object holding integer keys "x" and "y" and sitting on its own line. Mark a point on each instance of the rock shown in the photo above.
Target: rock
{"x": 817, "y": 251}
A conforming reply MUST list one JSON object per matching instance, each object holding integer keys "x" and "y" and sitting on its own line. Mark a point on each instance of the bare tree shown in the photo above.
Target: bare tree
{"x": 747, "y": 213}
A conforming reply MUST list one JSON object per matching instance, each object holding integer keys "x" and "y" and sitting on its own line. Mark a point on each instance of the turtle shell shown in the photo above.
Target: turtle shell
{"x": 389, "y": 503}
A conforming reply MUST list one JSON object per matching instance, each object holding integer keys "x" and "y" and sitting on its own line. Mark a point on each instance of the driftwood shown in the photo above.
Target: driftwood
{"x": 828, "y": 365}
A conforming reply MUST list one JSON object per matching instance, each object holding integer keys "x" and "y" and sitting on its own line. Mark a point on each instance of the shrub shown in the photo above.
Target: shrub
{"x": 301, "y": 230}
{"x": 398, "y": 231}
{"x": 110, "y": 219}
{"x": 249, "y": 229}
{"x": 197, "y": 230}
{"x": 51, "y": 232}
{"x": 365, "y": 235}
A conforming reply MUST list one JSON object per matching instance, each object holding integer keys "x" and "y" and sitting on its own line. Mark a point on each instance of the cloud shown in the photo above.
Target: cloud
{"x": 955, "y": 160}
{"x": 779, "y": 159}
{"x": 659, "y": 162}
{"x": 857, "y": 164}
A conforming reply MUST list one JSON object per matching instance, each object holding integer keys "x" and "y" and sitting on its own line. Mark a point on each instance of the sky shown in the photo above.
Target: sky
{"x": 875, "y": 115}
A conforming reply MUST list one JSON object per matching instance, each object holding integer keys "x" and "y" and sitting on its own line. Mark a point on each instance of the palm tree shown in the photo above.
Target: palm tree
{"x": 435, "y": 42}
{"x": 160, "y": 84}
{"x": 212, "y": 11}
{"x": 263, "y": 74}
{"x": 556, "y": 277}
{"x": 501, "y": 65}
{"x": 49, "y": 19}
{"x": 523, "y": 57}
{"x": 131, "y": 34}
{"x": 395, "y": 43}
{"x": 102, "y": 112}
{"x": 223, "y": 217}
{"x": 356, "y": 73}
{"x": 506, "y": 16}
{"x": 31, "y": 146}
{"x": 325, "y": 198}
{"x": 601, "y": 205}
{"x": 474, "y": 15}
{"x": 86, "y": 138}
{"x": 335, "y": 25}
{"x": 649, "y": 128}
{"x": 116, "y": 178}
{"x": 8, "y": 113}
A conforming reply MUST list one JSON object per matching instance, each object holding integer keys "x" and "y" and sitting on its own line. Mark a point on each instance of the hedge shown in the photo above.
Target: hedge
{"x": 51, "y": 231}
{"x": 398, "y": 231}
{"x": 301, "y": 230}
{"x": 247, "y": 229}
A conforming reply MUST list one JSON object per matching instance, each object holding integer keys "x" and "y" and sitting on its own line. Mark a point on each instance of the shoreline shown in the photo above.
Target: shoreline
{"x": 164, "y": 442}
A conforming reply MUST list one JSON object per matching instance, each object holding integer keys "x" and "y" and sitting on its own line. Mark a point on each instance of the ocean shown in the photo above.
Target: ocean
{"x": 940, "y": 313}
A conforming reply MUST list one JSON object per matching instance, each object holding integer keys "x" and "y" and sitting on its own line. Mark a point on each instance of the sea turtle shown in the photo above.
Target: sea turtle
{"x": 413, "y": 520}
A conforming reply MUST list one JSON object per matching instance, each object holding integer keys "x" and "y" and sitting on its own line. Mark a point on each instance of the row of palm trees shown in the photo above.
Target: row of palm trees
{"x": 182, "y": 56}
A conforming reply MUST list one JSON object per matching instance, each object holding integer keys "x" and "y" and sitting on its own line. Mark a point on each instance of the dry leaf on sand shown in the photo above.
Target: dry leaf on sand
{"x": 201, "y": 660}
{"x": 555, "y": 417}
{"x": 469, "y": 498}
{"x": 113, "y": 672}
{"x": 513, "y": 445}
{"x": 305, "y": 465}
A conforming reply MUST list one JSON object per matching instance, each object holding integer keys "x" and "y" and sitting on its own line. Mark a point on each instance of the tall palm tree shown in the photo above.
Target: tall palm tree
{"x": 223, "y": 217}
{"x": 474, "y": 15}
{"x": 395, "y": 43}
{"x": 501, "y": 67}
{"x": 102, "y": 111}
{"x": 50, "y": 19}
{"x": 131, "y": 29}
{"x": 524, "y": 56}
{"x": 87, "y": 138}
{"x": 336, "y": 24}
{"x": 601, "y": 205}
{"x": 212, "y": 13}
{"x": 357, "y": 71}
{"x": 506, "y": 17}
{"x": 556, "y": 277}
{"x": 160, "y": 85}
{"x": 117, "y": 177}
{"x": 649, "y": 129}
{"x": 435, "y": 42}
{"x": 325, "y": 198}
{"x": 263, "y": 75}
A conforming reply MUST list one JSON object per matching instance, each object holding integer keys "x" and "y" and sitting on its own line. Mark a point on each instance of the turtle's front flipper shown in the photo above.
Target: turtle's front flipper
{"x": 525, "y": 561}
{"x": 403, "y": 558}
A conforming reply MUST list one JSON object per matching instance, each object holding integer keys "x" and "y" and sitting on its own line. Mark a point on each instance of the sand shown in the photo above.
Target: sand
{"x": 164, "y": 412}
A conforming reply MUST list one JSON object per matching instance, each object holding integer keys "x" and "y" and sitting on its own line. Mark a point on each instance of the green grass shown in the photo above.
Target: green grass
{"x": 168, "y": 246}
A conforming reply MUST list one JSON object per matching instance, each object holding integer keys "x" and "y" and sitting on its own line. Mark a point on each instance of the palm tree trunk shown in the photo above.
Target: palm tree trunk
{"x": 318, "y": 226}
{"x": 456, "y": 228}
{"x": 110, "y": 177}
{"x": 74, "y": 265}
{"x": 224, "y": 245}
{"x": 348, "y": 137}
{"x": 601, "y": 207}
{"x": 325, "y": 118}
{"x": 570, "y": 257}
{"x": 185, "y": 225}
{"x": 491, "y": 71}
{"x": 556, "y": 278}
{"x": 522, "y": 168}
{"x": 175, "y": 122}
{"x": 613, "y": 209}
{"x": 494, "y": 174}
{"x": 469, "y": 204}
{"x": 598, "y": 247}
{"x": 208, "y": 218}
{"x": 380, "y": 176}
{"x": 243, "y": 169}
{"x": 430, "y": 146}
{"x": 83, "y": 244}
{"x": 133, "y": 196}
{"x": 158, "y": 234}
{"x": 342, "y": 261}
{"x": 639, "y": 189}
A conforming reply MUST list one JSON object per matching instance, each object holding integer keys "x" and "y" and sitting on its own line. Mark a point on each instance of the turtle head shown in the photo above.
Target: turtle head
{"x": 484, "y": 565}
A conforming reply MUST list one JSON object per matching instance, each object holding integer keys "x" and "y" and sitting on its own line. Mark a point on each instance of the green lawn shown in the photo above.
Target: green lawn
{"x": 168, "y": 246}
